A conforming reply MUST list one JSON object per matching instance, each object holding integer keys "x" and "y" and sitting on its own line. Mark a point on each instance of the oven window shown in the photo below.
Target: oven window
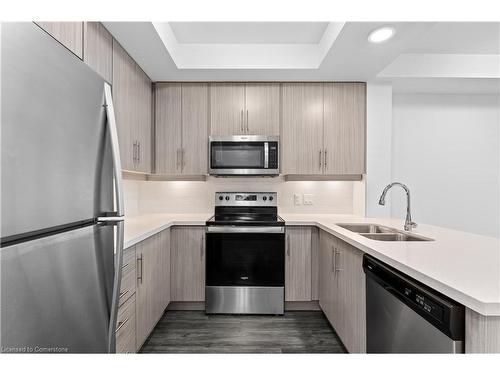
{"x": 237, "y": 155}
{"x": 245, "y": 259}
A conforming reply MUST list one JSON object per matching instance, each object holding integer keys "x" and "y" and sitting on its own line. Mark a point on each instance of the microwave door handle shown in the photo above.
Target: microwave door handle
{"x": 266, "y": 155}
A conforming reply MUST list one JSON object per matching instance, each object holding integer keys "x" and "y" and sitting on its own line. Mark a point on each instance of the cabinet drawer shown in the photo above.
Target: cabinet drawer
{"x": 125, "y": 327}
{"x": 127, "y": 286}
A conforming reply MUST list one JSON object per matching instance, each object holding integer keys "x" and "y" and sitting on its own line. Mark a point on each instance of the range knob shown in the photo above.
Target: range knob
{"x": 264, "y": 198}
{"x": 221, "y": 197}
{"x": 227, "y": 197}
{"x": 271, "y": 198}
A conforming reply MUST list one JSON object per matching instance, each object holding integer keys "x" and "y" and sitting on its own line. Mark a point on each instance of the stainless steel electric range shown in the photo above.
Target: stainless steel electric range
{"x": 245, "y": 255}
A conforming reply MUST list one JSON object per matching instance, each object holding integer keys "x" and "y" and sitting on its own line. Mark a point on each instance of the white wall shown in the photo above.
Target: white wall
{"x": 342, "y": 197}
{"x": 446, "y": 149}
{"x": 378, "y": 146}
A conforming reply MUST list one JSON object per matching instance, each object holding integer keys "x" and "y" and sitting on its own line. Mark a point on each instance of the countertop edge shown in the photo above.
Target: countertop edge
{"x": 483, "y": 308}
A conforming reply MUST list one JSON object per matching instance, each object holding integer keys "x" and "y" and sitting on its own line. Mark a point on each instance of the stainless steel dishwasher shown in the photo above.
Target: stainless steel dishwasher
{"x": 405, "y": 316}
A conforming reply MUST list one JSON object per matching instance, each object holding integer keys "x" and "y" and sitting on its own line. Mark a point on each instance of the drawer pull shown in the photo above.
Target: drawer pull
{"x": 122, "y": 294}
{"x": 121, "y": 324}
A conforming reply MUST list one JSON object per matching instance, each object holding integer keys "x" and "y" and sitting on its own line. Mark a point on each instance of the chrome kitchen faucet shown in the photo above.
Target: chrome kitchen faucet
{"x": 408, "y": 223}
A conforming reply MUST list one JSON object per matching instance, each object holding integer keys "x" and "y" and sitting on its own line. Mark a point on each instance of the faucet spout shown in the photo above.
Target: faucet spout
{"x": 409, "y": 224}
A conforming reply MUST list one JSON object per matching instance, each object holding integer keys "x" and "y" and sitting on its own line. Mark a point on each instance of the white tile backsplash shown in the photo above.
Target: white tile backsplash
{"x": 339, "y": 197}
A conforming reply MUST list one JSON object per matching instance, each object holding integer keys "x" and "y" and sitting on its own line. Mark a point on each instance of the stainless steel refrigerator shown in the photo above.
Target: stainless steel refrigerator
{"x": 61, "y": 199}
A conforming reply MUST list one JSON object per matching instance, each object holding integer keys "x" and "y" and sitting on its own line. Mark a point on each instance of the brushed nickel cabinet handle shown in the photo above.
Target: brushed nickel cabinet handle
{"x": 325, "y": 159}
{"x": 241, "y": 121}
{"x": 122, "y": 294}
{"x": 183, "y": 162}
{"x": 139, "y": 152}
{"x": 121, "y": 324}
{"x": 139, "y": 277}
{"x": 333, "y": 259}
{"x": 288, "y": 244}
{"x": 319, "y": 159}
{"x": 248, "y": 128}
{"x": 201, "y": 246}
{"x": 336, "y": 268}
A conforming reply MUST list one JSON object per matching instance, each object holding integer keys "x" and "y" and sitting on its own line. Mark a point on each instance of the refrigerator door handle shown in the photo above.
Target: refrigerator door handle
{"x": 115, "y": 150}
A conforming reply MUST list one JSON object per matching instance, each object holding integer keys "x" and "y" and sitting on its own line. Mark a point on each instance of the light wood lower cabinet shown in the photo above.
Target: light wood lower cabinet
{"x": 298, "y": 278}
{"x": 342, "y": 291}
{"x": 152, "y": 257}
{"x": 125, "y": 327}
{"x": 482, "y": 333}
{"x": 187, "y": 266}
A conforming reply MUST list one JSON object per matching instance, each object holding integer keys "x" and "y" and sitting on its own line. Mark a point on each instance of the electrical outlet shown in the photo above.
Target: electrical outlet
{"x": 308, "y": 199}
{"x": 297, "y": 199}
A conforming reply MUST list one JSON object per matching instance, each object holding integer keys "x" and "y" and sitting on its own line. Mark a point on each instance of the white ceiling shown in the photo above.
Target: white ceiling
{"x": 248, "y": 32}
{"x": 421, "y": 55}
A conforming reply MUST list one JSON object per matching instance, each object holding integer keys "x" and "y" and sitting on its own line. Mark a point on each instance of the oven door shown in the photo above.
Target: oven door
{"x": 245, "y": 256}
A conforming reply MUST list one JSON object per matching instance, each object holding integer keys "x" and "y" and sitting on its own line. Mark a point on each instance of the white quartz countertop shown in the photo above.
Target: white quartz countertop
{"x": 463, "y": 266}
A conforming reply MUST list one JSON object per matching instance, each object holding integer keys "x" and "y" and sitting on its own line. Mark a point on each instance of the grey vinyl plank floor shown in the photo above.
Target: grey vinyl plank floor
{"x": 196, "y": 332}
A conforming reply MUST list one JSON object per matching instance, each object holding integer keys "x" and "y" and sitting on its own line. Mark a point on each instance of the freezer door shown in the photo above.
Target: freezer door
{"x": 56, "y": 292}
{"x": 56, "y": 165}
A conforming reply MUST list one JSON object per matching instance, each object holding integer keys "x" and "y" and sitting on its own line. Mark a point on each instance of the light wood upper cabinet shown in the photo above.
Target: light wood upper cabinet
{"x": 298, "y": 264}
{"x": 168, "y": 121}
{"x": 181, "y": 115}
{"x": 132, "y": 97}
{"x": 324, "y": 127}
{"x": 239, "y": 108}
{"x": 262, "y": 108}
{"x": 227, "y": 107}
{"x": 302, "y": 135}
{"x": 187, "y": 265}
{"x": 194, "y": 128}
{"x": 345, "y": 128}
{"x": 151, "y": 297}
{"x": 98, "y": 49}
{"x": 69, "y": 34}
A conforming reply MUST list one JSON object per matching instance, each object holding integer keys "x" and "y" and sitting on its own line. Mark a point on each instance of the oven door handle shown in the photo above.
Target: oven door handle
{"x": 238, "y": 229}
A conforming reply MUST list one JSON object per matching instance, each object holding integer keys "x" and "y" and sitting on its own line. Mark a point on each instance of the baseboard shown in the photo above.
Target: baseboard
{"x": 302, "y": 306}
{"x": 200, "y": 306}
{"x": 193, "y": 306}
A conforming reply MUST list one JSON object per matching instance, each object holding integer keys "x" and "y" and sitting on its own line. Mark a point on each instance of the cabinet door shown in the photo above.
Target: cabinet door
{"x": 194, "y": 128}
{"x": 302, "y": 128}
{"x": 69, "y": 34}
{"x": 187, "y": 265}
{"x": 125, "y": 106}
{"x": 227, "y": 104}
{"x": 148, "y": 253}
{"x": 98, "y": 49}
{"x": 164, "y": 274}
{"x": 262, "y": 112}
{"x": 351, "y": 327}
{"x": 143, "y": 123}
{"x": 298, "y": 264}
{"x": 168, "y": 128}
{"x": 345, "y": 128}
{"x": 325, "y": 279}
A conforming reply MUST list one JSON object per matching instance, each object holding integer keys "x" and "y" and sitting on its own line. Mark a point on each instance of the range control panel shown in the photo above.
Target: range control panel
{"x": 268, "y": 199}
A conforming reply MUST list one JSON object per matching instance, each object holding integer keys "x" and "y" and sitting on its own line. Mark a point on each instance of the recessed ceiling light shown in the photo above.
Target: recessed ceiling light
{"x": 381, "y": 35}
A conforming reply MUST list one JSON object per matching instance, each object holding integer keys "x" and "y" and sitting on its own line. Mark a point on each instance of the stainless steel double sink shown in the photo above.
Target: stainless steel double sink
{"x": 382, "y": 233}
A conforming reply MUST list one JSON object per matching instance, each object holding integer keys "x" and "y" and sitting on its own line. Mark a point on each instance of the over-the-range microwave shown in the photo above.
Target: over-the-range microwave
{"x": 245, "y": 155}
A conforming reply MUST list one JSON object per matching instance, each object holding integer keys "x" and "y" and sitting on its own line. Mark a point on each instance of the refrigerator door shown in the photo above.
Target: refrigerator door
{"x": 56, "y": 164}
{"x": 56, "y": 292}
